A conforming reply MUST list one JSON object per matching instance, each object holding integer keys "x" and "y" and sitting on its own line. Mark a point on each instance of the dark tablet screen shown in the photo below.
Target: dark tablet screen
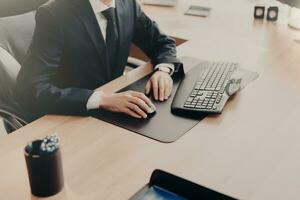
{"x": 157, "y": 193}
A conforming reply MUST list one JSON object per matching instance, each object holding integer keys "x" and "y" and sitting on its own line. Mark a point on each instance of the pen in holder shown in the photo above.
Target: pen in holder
{"x": 44, "y": 166}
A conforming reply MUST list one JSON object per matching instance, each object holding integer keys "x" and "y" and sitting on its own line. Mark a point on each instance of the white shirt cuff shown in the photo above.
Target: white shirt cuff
{"x": 168, "y": 65}
{"x": 94, "y": 101}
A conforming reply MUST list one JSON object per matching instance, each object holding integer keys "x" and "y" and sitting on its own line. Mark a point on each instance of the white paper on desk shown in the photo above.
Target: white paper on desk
{"x": 248, "y": 77}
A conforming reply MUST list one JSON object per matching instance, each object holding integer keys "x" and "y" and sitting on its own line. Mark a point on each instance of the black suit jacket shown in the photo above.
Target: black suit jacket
{"x": 67, "y": 58}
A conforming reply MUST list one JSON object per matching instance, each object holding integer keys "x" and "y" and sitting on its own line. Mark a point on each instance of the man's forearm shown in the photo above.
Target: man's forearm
{"x": 94, "y": 101}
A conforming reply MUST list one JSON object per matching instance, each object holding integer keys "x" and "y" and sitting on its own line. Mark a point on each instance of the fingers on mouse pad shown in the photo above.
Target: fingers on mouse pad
{"x": 162, "y": 125}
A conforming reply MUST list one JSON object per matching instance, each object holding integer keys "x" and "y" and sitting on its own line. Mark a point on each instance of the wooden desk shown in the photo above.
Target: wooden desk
{"x": 251, "y": 151}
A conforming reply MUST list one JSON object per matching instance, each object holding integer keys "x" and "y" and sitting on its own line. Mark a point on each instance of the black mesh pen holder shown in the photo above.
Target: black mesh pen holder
{"x": 44, "y": 170}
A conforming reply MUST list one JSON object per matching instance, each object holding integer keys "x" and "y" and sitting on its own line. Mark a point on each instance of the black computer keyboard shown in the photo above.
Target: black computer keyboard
{"x": 204, "y": 88}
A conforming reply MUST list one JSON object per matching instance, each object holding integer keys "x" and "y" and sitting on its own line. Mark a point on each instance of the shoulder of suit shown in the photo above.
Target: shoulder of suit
{"x": 56, "y": 7}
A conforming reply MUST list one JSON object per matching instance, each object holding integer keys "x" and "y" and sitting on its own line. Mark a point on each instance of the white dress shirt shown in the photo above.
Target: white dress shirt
{"x": 98, "y": 6}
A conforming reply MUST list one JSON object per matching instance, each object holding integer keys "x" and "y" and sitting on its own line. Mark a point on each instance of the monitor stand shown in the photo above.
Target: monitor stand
{"x": 294, "y": 18}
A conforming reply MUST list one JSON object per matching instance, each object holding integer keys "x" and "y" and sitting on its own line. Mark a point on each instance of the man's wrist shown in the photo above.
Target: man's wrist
{"x": 165, "y": 67}
{"x": 95, "y": 100}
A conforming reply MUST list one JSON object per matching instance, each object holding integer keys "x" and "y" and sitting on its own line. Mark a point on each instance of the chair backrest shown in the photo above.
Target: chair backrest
{"x": 16, "y": 31}
{"x": 15, "y": 36}
{"x": 17, "y": 7}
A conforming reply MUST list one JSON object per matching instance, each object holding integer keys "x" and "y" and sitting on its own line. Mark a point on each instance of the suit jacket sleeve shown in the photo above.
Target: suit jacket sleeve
{"x": 159, "y": 47}
{"x": 36, "y": 81}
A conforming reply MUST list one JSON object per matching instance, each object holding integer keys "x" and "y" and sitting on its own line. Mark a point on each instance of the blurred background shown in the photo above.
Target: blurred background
{"x": 2, "y": 130}
{"x": 14, "y": 7}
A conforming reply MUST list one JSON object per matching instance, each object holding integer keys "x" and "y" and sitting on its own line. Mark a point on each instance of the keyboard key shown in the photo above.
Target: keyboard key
{"x": 189, "y": 106}
{"x": 197, "y": 98}
{"x": 197, "y": 87}
{"x": 190, "y": 99}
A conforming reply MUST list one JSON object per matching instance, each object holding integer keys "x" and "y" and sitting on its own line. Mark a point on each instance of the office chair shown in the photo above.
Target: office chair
{"x": 15, "y": 36}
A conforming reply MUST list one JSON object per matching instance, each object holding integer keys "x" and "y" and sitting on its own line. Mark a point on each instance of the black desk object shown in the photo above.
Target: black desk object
{"x": 163, "y": 126}
{"x": 165, "y": 186}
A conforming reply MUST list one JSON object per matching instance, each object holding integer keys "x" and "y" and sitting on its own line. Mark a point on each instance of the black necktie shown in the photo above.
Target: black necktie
{"x": 111, "y": 36}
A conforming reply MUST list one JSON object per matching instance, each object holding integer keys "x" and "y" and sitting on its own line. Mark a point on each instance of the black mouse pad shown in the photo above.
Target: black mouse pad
{"x": 163, "y": 126}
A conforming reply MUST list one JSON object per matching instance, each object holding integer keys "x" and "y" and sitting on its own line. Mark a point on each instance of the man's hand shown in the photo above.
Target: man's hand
{"x": 132, "y": 103}
{"x": 162, "y": 84}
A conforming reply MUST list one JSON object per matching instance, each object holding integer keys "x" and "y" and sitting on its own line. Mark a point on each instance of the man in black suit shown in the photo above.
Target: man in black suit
{"x": 79, "y": 45}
